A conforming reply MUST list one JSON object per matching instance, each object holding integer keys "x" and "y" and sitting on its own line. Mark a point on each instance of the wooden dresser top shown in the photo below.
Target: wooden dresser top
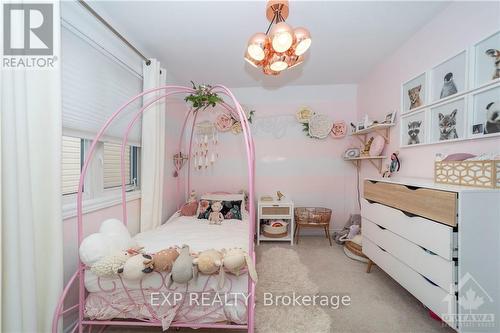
{"x": 429, "y": 183}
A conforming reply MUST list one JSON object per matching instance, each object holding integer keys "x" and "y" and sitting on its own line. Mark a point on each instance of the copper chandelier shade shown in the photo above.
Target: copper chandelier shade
{"x": 281, "y": 47}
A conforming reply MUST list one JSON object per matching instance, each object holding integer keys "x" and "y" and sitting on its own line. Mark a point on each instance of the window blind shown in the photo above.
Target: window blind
{"x": 94, "y": 85}
{"x": 71, "y": 164}
{"x": 111, "y": 165}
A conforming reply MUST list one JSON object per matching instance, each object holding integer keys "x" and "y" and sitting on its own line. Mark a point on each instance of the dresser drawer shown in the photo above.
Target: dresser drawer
{"x": 436, "y": 205}
{"x": 276, "y": 210}
{"x": 433, "y": 236}
{"x": 435, "y": 268}
{"x": 431, "y": 295}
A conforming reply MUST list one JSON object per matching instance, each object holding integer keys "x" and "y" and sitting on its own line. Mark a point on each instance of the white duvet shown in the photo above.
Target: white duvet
{"x": 179, "y": 230}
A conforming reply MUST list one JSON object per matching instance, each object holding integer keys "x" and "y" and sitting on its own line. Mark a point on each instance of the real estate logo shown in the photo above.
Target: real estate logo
{"x": 28, "y": 36}
{"x": 471, "y": 302}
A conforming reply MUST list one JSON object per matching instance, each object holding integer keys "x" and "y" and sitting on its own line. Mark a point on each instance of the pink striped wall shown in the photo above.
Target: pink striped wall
{"x": 311, "y": 172}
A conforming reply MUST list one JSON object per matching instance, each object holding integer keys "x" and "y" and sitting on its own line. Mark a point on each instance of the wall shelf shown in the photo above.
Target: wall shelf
{"x": 380, "y": 129}
{"x": 376, "y": 161}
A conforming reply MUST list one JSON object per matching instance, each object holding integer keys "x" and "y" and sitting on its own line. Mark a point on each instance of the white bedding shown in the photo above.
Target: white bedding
{"x": 108, "y": 299}
{"x": 179, "y": 230}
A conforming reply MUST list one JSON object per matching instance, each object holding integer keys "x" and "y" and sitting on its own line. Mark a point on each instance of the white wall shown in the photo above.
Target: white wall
{"x": 309, "y": 171}
{"x": 458, "y": 26}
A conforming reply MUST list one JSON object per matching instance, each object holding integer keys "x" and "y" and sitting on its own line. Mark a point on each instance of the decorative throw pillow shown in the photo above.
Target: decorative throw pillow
{"x": 231, "y": 209}
{"x": 189, "y": 209}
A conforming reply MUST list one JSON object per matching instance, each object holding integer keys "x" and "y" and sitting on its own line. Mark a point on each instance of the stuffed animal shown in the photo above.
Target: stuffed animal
{"x": 183, "y": 269}
{"x": 110, "y": 264}
{"x": 235, "y": 260}
{"x": 163, "y": 260}
{"x": 209, "y": 261}
{"x": 216, "y": 216}
{"x": 113, "y": 236}
{"x": 136, "y": 267}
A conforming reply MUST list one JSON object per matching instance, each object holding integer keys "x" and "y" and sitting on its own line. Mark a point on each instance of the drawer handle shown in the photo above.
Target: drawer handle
{"x": 408, "y": 214}
{"x": 426, "y": 279}
{"x": 428, "y": 251}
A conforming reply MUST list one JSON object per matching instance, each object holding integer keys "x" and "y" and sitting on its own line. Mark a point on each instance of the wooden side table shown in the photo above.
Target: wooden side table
{"x": 275, "y": 210}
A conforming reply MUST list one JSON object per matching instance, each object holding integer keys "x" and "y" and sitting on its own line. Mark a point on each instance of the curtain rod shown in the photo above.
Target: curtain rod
{"x": 114, "y": 31}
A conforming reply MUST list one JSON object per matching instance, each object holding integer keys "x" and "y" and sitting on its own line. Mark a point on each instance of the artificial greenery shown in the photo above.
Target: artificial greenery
{"x": 203, "y": 97}
{"x": 306, "y": 129}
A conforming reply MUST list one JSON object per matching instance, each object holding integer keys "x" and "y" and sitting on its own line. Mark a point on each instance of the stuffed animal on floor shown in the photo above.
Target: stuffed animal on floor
{"x": 216, "y": 216}
{"x": 136, "y": 267}
{"x": 111, "y": 264}
{"x": 183, "y": 269}
{"x": 163, "y": 260}
{"x": 236, "y": 259}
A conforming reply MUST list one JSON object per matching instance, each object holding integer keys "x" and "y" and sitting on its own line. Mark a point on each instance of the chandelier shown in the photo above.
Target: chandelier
{"x": 281, "y": 47}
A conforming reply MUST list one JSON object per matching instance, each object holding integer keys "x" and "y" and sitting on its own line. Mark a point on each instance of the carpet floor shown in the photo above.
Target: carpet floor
{"x": 378, "y": 304}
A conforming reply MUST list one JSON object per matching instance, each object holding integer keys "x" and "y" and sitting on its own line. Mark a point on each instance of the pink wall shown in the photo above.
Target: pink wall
{"x": 458, "y": 26}
{"x": 311, "y": 172}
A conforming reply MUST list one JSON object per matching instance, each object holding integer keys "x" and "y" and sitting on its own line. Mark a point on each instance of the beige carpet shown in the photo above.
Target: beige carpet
{"x": 379, "y": 304}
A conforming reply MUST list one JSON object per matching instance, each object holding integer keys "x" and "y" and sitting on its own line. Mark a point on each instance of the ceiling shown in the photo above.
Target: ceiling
{"x": 204, "y": 41}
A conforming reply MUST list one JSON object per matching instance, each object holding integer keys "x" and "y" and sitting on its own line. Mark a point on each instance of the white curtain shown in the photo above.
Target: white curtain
{"x": 31, "y": 226}
{"x": 153, "y": 150}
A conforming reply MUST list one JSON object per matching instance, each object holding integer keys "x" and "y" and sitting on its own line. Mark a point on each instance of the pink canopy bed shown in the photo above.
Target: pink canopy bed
{"x": 135, "y": 297}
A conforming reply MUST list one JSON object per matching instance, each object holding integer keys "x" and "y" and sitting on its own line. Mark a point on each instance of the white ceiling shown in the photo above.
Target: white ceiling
{"x": 204, "y": 41}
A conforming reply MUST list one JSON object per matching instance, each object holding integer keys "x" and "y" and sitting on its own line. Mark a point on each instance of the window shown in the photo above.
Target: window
{"x": 104, "y": 172}
{"x": 71, "y": 164}
{"x": 112, "y": 169}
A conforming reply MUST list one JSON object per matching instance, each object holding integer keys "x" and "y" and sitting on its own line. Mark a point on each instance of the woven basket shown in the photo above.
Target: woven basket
{"x": 313, "y": 215}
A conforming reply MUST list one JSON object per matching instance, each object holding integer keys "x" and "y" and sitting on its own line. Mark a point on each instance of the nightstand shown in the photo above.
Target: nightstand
{"x": 275, "y": 210}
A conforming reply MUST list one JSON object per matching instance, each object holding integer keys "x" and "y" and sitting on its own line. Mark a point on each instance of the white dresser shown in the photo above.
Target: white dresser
{"x": 441, "y": 243}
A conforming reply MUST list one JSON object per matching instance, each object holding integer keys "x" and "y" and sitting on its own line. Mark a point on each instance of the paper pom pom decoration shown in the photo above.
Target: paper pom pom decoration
{"x": 339, "y": 129}
{"x": 224, "y": 122}
{"x": 320, "y": 126}
{"x": 304, "y": 115}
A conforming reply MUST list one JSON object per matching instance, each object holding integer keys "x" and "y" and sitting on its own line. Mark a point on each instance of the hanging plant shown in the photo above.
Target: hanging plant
{"x": 203, "y": 97}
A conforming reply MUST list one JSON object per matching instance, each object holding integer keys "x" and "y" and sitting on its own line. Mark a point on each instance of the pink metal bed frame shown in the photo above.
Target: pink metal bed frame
{"x": 161, "y": 93}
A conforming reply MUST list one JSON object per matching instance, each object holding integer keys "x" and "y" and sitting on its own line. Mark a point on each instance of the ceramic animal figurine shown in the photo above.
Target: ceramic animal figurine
{"x": 495, "y": 54}
{"x": 216, "y": 216}
{"x": 449, "y": 87}
{"x": 136, "y": 267}
{"x": 236, "y": 259}
{"x": 163, "y": 260}
{"x": 492, "y": 118}
{"x": 414, "y": 94}
{"x": 447, "y": 126}
{"x": 183, "y": 269}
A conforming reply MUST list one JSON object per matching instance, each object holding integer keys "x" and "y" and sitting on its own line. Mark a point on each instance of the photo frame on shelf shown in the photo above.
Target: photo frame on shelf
{"x": 486, "y": 61}
{"x": 414, "y": 93}
{"x": 414, "y": 128}
{"x": 448, "y": 121}
{"x": 390, "y": 118}
{"x": 485, "y": 112}
{"x": 449, "y": 78}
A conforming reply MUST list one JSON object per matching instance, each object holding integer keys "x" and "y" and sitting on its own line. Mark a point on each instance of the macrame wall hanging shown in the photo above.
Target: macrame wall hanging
{"x": 205, "y": 143}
